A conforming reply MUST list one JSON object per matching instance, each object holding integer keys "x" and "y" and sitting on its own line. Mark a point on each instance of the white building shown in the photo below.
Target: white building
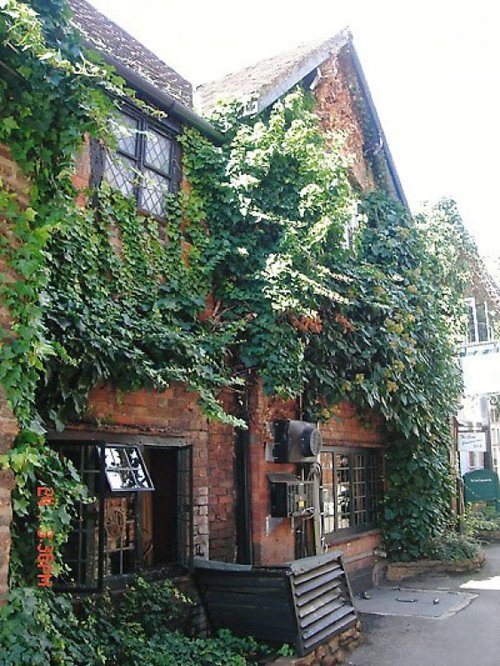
{"x": 480, "y": 362}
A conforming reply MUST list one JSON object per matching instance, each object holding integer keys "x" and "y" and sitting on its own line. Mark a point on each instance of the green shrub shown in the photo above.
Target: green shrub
{"x": 143, "y": 626}
{"x": 38, "y": 627}
{"x": 452, "y": 546}
{"x": 480, "y": 521}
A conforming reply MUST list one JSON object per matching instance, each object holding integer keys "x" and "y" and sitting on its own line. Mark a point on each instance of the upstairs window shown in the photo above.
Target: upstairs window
{"x": 478, "y": 322}
{"x": 144, "y": 164}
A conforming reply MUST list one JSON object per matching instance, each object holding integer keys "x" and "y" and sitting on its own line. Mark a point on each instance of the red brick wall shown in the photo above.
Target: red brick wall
{"x": 171, "y": 413}
{"x": 273, "y": 539}
{"x": 340, "y": 108}
{"x": 347, "y": 428}
{"x": 222, "y": 488}
{"x": 8, "y": 432}
{"x": 81, "y": 177}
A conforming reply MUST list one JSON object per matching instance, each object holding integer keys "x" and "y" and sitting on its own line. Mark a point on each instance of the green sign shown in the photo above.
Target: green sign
{"x": 481, "y": 485}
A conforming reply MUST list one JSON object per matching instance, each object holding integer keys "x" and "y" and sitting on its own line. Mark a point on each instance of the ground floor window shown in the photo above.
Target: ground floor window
{"x": 140, "y": 517}
{"x": 352, "y": 488}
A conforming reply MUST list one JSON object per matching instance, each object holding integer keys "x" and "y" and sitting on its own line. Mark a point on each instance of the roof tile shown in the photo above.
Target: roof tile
{"x": 109, "y": 39}
{"x": 262, "y": 83}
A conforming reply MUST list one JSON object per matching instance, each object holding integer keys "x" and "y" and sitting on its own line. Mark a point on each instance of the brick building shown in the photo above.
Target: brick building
{"x": 351, "y": 457}
{"x": 211, "y": 495}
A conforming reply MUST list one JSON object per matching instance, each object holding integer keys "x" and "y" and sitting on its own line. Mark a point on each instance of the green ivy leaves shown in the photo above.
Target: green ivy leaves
{"x": 367, "y": 325}
{"x": 254, "y": 273}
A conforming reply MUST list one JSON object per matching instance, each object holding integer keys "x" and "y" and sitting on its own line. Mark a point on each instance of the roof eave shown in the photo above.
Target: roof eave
{"x": 297, "y": 75}
{"x": 163, "y": 100}
{"x": 376, "y": 121}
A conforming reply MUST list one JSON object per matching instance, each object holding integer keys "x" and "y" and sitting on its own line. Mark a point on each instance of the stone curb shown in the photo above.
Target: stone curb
{"x": 400, "y": 570}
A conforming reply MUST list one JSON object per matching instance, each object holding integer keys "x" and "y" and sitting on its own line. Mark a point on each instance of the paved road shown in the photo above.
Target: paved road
{"x": 471, "y": 637}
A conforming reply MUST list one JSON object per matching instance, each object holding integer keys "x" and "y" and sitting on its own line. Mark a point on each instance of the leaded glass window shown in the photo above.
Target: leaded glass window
{"x": 352, "y": 484}
{"x": 122, "y": 530}
{"x": 143, "y": 164}
{"x": 478, "y": 321}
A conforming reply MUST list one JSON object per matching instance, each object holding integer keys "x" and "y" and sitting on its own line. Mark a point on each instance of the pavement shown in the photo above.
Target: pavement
{"x": 434, "y": 620}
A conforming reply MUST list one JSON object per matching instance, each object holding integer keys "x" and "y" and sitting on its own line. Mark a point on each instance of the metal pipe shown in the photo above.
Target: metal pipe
{"x": 243, "y": 486}
{"x": 164, "y": 101}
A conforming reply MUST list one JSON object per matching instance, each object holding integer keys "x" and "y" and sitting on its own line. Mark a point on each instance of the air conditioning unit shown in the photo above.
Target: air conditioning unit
{"x": 290, "y": 496}
{"x": 295, "y": 441}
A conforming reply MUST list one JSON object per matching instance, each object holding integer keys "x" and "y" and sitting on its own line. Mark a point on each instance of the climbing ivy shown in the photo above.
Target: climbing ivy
{"x": 277, "y": 201}
{"x": 123, "y": 306}
{"x": 372, "y": 324}
{"x": 254, "y": 272}
{"x": 80, "y": 312}
{"x": 49, "y": 94}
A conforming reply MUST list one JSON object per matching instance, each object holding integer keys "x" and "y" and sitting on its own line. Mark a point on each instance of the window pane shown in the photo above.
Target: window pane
{"x": 120, "y": 173}
{"x": 352, "y": 485}
{"x": 326, "y": 461}
{"x": 125, "y": 469}
{"x": 120, "y": 479}
{"x": 120, "y": 534}
{"x": 153, "y": 192}
{"x": 471, "y": 327}
{"x": 142, "y": 479}
{"x": 482, "y": 322}
{"x": 359, "y": 489}
{"x": 158, "y": 149}
{"x": 125, "y": 130}
{"x": 343, "y": 490}
{"x": 81, "y": 552}
{"x": 115, "y": 457}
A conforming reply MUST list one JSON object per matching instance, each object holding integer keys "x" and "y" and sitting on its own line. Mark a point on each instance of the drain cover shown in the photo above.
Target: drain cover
{"x": 411, "y": 602}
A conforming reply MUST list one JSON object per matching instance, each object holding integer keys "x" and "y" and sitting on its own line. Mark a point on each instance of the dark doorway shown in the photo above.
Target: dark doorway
{"x": 160, "y": 508}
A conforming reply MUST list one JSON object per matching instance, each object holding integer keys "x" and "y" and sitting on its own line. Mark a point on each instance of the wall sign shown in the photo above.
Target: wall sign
{"x": 481, "y": 485}
{"x": 472, "y": 441}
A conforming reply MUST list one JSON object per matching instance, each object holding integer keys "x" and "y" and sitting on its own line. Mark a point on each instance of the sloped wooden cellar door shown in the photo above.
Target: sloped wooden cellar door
{"x": 305, "y": 602}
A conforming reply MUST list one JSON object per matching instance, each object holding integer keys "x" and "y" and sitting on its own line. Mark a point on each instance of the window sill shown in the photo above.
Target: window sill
{"x": 154, "y": 574}
{"x": 336, "y": 538}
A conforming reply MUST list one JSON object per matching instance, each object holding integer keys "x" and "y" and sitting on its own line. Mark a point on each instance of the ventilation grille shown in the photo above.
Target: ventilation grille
{"x": 322, "y": 599}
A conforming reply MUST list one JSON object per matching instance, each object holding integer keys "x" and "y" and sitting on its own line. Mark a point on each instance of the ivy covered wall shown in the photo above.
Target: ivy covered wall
{"x": 259, "y": 236}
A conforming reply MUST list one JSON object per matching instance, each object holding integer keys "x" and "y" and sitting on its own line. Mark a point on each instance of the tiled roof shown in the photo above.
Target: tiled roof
{"x": 261, "y": 84}
{"x": 109, "y": 39}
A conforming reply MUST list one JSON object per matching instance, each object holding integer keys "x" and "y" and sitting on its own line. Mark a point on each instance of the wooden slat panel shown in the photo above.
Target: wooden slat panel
{"x": 304, "y": 604}
{"x": 329, "y": 632}
{"x": 221, "y": 580}
{"x": 306, "y": 598}
{"x": 247, "y": 600}
{"x": 299, "y": 567}
{"x": 314, "y": 573}
{"x": 301, "y": 588}
{"x": 262, "y": 628}
{"x": 326, "y": 622}
{"x": 320, "y": 612}
{"x": 319, "y": 602}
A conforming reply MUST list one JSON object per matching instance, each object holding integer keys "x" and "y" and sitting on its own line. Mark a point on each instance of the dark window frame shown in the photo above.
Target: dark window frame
{"x": 166, "y": 129}
{"x": 147, "y": 485}
{"x": 479, "y": 327}
{"x": 102, "y": 491}
{"x": 374, "y": 462}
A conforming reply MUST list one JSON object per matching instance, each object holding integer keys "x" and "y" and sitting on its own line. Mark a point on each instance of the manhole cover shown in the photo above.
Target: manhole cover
{"x": 410, "y": 602}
